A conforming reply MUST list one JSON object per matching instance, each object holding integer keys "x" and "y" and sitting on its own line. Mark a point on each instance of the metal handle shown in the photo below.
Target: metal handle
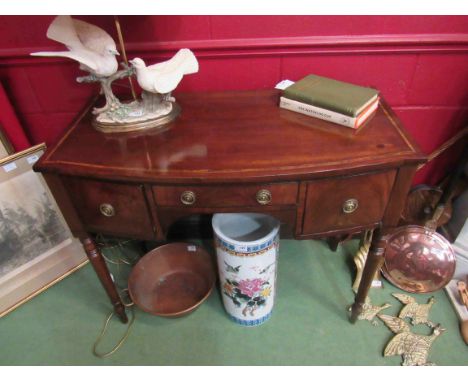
{"x": 432, "y": 223}
{"x": 188, "y": 197}
{"x": 350, "y": 206}
{"x": 264, "y": 197}
{"x": 107, "y": 209}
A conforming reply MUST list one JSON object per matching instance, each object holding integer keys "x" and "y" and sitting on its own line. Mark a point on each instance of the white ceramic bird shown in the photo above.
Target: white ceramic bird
{"x": 88, "y": 44}
{"x": 164, "y": 77}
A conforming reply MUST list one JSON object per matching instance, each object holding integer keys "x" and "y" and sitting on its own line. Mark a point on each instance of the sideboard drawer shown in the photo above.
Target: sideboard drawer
{"x": 274, "y": 194}
{"x": 346, "y": 202}
{"x": 112, "y": 208}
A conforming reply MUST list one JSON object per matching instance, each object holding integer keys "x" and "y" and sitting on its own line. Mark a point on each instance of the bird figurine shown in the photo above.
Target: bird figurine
{"x": 162, "y": 78}
{"x": 94, "y": 49}
{"x": 418, "y": 313}
{"x": 414, "y": 348}
{"x": 88, "y": 44}
{"x": 369, "y": 311}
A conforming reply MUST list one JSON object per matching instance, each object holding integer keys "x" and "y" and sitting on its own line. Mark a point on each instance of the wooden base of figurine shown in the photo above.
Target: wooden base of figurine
{"x": 123, "y": 127}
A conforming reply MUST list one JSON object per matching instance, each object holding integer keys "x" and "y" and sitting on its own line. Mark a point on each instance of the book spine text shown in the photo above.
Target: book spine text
{"x": 317, "y": 112}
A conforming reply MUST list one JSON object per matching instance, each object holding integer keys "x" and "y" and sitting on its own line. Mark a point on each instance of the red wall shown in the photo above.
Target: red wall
{"x": 419, "y": 63}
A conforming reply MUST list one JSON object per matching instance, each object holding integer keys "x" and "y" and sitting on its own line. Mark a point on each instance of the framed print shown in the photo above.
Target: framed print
{"x": 5, "y": 145}
{"x": 37, "y": 248}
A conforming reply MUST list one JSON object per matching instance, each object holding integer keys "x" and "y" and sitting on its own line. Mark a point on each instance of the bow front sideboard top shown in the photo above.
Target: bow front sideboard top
{"x": 233, "y": 152}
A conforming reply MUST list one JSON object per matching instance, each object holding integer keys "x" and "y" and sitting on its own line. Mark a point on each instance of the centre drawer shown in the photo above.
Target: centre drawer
{"x": 271, "y": 194}
{"x": 111, "y": 208}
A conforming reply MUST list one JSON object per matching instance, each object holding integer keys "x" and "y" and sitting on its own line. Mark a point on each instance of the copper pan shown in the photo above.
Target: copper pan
{"x": 418, "y": 260}
{"x": 172, "y": 280}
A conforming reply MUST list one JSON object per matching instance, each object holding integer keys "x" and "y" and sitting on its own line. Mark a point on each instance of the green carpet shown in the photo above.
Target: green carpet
{"x": 309, "y": 325}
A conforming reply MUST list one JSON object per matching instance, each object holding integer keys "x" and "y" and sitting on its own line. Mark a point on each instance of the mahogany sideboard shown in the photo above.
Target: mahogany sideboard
{"x": 233, "y": 152}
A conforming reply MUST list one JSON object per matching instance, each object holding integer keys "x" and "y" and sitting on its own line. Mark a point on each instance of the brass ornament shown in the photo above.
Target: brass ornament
{"x": 418, "y": 313}
{"x": 369, "y": 311}
{"x": 360, "y": 260}
{"x": 414, "y": 348}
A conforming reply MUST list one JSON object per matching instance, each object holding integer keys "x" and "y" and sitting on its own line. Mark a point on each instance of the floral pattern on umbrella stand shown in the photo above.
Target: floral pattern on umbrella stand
{"x": 251, "y": 292}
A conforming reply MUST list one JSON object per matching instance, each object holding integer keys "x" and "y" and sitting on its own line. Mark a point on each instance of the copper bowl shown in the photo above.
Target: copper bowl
{"x": 172, "y": 280}
{"x": 418, "y": 260}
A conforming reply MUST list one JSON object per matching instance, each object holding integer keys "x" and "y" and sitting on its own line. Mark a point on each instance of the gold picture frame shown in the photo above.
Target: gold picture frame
{"x": 6, "y": 148}
{"x": 37, "y": 248}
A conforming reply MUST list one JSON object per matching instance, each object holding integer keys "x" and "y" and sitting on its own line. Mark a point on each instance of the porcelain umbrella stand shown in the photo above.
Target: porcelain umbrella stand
{"x": 247, "y": 250}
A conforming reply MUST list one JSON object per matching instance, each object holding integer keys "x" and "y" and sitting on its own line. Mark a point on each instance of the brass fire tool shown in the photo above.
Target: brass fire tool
{"x": 360, "y": 260}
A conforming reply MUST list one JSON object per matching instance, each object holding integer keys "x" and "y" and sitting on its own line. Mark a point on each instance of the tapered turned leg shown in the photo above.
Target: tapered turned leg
{"x": 100, "y": 266}
{"x": 373, "y": 264}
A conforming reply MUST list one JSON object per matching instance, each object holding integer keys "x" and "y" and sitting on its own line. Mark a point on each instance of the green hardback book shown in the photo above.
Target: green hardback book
{"x": 337, "y": 96}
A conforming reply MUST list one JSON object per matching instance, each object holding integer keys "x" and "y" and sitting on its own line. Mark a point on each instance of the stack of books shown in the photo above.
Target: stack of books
{"x": 335, "y": 101}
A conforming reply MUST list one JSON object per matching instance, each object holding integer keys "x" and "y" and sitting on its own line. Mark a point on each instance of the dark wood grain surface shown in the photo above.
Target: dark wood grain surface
{"x": 232, "y": 136}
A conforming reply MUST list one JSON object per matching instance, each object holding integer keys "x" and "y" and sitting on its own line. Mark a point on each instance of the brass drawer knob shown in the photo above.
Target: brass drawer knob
{"x": 107, "y": 209}
{"x": 264, "y": 197}
{"x": 350, "y": 206}
{"x": 188, "y": 197}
